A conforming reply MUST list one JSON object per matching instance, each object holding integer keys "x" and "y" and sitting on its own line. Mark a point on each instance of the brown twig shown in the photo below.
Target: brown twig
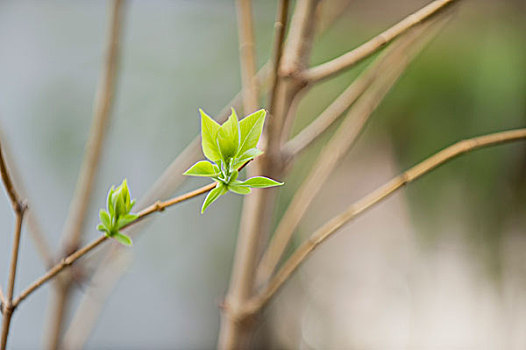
{"x": 280, "y": 28}
{"x": 257, "y": 208}
{"x": 3, "y": 301}
{"x": 19, "y": 207}
{"x": 336, "y": 148}
{"x": 165, "y": 185}
{"x": 390, "y": 67}
{"x": 104, "y": 101}
{"x": 69, "y": 260}
{"x": 80, "y": 203}
{"x": 8, "y": 307}
{"x": 332, "y": 226}
{"x": 34, "y": 228}
{"x": 14, "y": 198}
{"x": 247, "y": 55}
{"x": 365, "y": 50}
{"x": 335, "y": 110}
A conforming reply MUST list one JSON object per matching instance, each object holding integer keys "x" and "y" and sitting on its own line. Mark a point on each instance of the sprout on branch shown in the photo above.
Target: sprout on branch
{"x": 117, "y": 214}
{"x": 228, "y": 147}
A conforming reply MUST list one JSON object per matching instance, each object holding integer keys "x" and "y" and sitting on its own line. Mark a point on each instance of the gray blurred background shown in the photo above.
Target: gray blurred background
{"x": 439, "y": 265}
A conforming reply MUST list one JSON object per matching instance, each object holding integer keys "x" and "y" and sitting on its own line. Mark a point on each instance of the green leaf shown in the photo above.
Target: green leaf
{"x": 102, "y": 228}
{"x": 228, "y": 137}
{"x": 125, "y": 193}
{"x": 213, "y": 195}
{"x": 239, "y": 189}
{"x": 118, "y": 203}
{"x": 251, "y": 128}
{"x": 203, "y": 168}
{"x": 126, "y": 220}
{"x": 261, "y": 182}
{"x": 105, "y": 218}
{"x": 109, "y": 203}
{"x": 209, "y": 129}
{"x": 245, "y": 157}
{"x": 123, "y": 239}
{"x": 233, "y": 176}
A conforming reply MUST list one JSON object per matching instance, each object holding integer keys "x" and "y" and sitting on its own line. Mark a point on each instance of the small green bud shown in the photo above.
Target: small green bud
{"x": 117, "y": 216}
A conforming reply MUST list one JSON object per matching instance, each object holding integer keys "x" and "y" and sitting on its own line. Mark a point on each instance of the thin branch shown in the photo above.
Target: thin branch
{"x": 8, "y": 307}
{"x": 16, "y": 202}
{"x": 247, "y": 55}
{"x": 158, "y": 206}
{"x": 367, "y": 49}
{"x": 65, "y": 262}
{"x": 3, "y": 300}
{"x": 333, "y": 112}
{"x": 34, "y": 228}
{"x": 258, "y": 208}
{"x": 102, "y": 283}
{"x": 19, "y": 207}
{"x": 166, "y": 184}
{"x": 279, "y": 41}
{"x": 333, "y": 225}
{"x": 104, "y": 100}
{"x": 337, "y": 147}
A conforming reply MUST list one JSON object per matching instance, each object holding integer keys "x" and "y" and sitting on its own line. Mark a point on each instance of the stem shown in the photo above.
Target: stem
{"x": 69, "y": 260}
{"x": 328, "y": 159}
{"x": 104, "y": 100}
{"x": 257, "y": 208}
{"x": 247, "y": 55}
{"x": 333, "y": 112}
{"x": 279, "y": 41}
{"x": 166, "y": 184}
{"x": 333, "y": 225}
{"x": 34, "y": 228}
{"x": 102, "y": 111}
{"x": 367, "y": 49}
{"x": 19, "y": 207}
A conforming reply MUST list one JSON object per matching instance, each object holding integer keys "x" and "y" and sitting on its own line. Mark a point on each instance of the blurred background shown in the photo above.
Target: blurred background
{"x": 439, "y": 265}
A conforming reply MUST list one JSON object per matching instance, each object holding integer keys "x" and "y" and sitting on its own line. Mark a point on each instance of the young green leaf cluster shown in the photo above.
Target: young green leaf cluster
{"x": 117, "y": 214}
{"x": 228, "y": 147}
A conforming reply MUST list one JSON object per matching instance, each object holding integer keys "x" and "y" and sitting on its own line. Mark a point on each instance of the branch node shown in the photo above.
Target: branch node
{"x": 159, "y": 206}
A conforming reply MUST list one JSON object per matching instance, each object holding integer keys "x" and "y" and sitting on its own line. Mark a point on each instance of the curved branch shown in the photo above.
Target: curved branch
{"x": 333, "y": 225}
{"x": 367, "y": 49}
{"x": 397, "y": 60}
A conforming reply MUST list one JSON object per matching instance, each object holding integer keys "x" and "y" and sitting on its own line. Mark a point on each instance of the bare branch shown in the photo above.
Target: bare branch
{"x": 333, "y": 225}
{"x": 16, "y": 202}
{"x": 34, "y": 228}
{"x": 338, "y": 146}
{"x": 7, "y": 305}
{"x": 104, "y": 100}
{"x": 19, "y": 208}
{"x": 102, "y": 284}
{"x": 68, "y": 261}
{"x": 333, "y": 112}
{"x": 158, "y": 206}
{"x": 279, "y": 41}
{"x": 3, "y": 300}
{"x": 365, "y": 50}
{"x": 166, "y": 184}
{"x": 247, "y": 55}
{"x": 257, "y": 208}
